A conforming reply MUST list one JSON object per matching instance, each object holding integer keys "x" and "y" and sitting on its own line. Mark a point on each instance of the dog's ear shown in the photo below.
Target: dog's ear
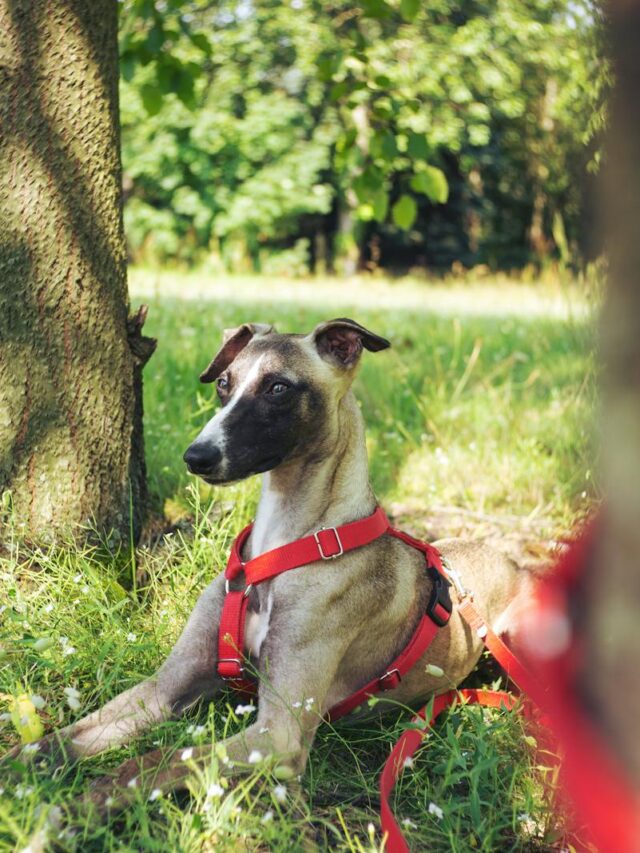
{"x": 233, "y": 342}
{"x": 341, "y": 341}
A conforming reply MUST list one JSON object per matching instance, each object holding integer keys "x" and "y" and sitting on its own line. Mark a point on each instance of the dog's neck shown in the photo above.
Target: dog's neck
{"x": 303, "y": 495}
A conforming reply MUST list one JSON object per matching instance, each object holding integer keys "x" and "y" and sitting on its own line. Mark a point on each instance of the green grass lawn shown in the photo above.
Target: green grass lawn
{"x": 479, "y": 422}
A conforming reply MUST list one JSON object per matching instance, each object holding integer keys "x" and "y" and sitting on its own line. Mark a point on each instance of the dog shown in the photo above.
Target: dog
{"x": 317, "y": 634}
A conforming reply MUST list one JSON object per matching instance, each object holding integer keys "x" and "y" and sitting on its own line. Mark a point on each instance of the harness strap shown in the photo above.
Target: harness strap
{"x": 411, "y": 739}
{"x": 410, "y": 655}
{"x": 231, "y": 639}
{"x": 514, "y": 668}
{"x": 326, "y": 544}
{"x": 408, "y": 744}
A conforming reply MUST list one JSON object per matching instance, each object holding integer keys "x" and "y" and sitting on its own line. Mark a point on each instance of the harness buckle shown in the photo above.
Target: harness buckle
{"x": 231, "y": 660}
{"x": 245, "y": 591}
{"x": 390, "y": 680}
{"x": 454, "y": 575}
{"x": 323, "y": 553}
{"x": 439, "y": 607}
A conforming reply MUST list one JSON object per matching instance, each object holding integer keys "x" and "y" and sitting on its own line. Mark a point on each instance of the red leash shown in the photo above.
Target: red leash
{"x": 604, "y": 798}
{"x": 408, "y": 744}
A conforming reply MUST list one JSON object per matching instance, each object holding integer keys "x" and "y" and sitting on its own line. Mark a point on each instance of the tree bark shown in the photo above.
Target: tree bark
{"x": 71, "y": 448}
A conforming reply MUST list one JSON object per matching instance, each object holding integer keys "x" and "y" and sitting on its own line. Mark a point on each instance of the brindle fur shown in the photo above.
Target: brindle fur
{"x": 319, "y": 632}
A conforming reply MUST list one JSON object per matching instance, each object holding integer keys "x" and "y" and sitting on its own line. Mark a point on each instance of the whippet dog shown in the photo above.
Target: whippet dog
{"x": 316, "y": 634}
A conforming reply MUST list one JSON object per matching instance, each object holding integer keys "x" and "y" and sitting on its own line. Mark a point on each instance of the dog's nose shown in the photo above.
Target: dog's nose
{"x": 202, "y": 458}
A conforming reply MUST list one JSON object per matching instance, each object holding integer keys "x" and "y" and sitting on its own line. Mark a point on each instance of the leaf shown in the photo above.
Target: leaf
{"x": 409, "y": 10}
{"x": 365, "y": 212}
{"x": 418, "y": 147}
{"x": 155, "y": 38}
{"x": 380, "y": 205}
{"x": 201, "y": 41}
{"x": 404, "y": 212}
{"x": 128, "y": 65}
{"x": 376, "y": 9}
{"x": 338, "y": 90}
{"x": 151, "y": 98}
{"x": 432, "y": 183}
{"x": 25, "y": 718}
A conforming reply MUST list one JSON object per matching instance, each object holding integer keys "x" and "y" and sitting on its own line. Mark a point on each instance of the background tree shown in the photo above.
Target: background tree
{"x": 400, "y": 134}
{"x": 70, "y": 361}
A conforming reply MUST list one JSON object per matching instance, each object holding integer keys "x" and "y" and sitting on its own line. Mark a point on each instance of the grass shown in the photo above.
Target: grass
{"x": 479, "y": 417}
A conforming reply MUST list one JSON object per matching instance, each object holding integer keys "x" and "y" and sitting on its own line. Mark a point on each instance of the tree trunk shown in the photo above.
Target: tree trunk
{"x": 71, "y": 448}
{"x": 348, "y": 240}
{"x": 612, "y": 652}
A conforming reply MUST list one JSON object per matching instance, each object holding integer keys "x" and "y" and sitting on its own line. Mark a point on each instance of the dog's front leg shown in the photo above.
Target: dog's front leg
{"x": 187, "y": 675}
{"x": 297, "y": 675}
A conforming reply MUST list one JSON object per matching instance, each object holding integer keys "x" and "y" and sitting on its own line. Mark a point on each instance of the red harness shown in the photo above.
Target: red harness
{"x": 326, "y": 544}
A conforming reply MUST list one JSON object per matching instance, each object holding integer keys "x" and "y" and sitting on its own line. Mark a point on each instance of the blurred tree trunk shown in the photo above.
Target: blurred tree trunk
{"x": 539, "y": 243}
{"x": 71, "y": 447}
{"x": 348, "y": 240}
{"x": 612, "y": 681}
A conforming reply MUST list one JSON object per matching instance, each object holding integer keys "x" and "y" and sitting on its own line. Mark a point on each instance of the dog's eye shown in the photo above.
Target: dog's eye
{"x": 278, "y": 388}
{"x": 223, "y": 384}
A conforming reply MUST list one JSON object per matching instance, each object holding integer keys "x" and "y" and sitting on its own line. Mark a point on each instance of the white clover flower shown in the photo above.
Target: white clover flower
{"x": 308, "y": 703}
{"x": 280, "y": 793}
{"x": 73, "y": 698}
{"x": 435, "y": 810}
{"x": 69, "y": 650}
{"x": 155, "y": 794}
{"x": 409, "y": 824}
{"x": 267, "y": 816}
{"x": 241, "y": 710}
{"x": 22, "y": 791}
{"x": 109, "y": 802}
{"x": 78, "y": 578}
{"x": 215, "y": 790}
{"x": 131, "y": 637}
{"x": 255, "y": 756}
{"x": 187, "y": 753}
{"x": 297, "y": 705}
{"x": 48, "y": 608}
{"x": 37, "y": 701}
{"x": 133, "y": 783}
{"x": 408, "y": 762}
{"x": 263, "y": 730}
{"x": 30, "y": 748}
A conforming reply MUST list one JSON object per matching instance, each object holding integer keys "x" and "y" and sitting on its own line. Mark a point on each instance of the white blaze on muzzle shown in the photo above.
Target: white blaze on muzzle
{"x": 214, "y": 431}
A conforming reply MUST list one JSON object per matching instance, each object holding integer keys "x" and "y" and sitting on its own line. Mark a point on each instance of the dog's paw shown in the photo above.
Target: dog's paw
{"x": 49, "y": 753}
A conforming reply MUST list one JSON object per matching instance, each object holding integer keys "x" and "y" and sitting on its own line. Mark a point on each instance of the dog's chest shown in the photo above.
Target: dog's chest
{"x": 257, "y": 627}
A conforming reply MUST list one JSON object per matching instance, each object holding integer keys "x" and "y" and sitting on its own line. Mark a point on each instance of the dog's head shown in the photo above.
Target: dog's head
{"x": 280, "y": 396}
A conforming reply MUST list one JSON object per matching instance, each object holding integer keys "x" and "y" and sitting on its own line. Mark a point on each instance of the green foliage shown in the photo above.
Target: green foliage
{"x": 249, "y": 127}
